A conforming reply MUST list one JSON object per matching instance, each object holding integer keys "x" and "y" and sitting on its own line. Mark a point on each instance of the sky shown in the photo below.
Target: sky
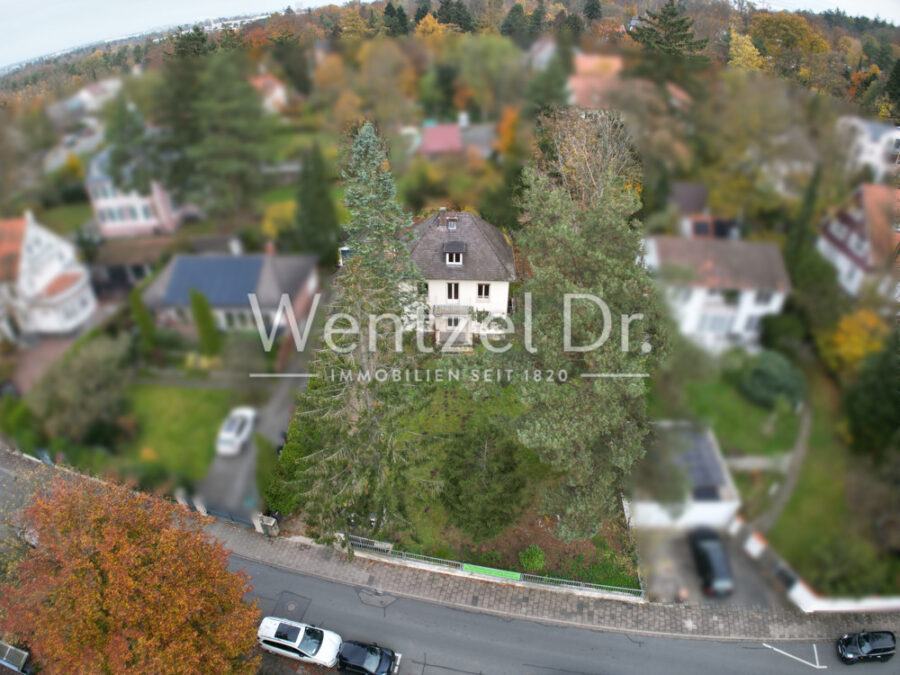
{"x": 38, "y": 27}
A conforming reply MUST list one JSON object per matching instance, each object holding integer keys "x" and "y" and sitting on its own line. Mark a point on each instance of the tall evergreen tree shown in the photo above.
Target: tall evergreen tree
{"x": 291, "y": 56}
{"x": 445, "y": 11}
{"x": 667, "y": 32}
{"x": 892, "y": 87}
{"x": 537, "y": 21}
{"x": 515, "y": 25}
{"x": 548, "y": 89}
{"x": 348, "y": 443}
{"x": 205, "y": 323}
{"x": 402, "y": 21}
{"x": 232, "y": 127}
{"x": 592, "y": 11}
{"x": 316, "y": 228}
{"x": 423, "y": 9}
{"x": 461, "y": 17}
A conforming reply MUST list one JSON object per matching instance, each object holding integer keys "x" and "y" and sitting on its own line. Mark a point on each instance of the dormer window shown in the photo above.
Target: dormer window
{"x": 453, "y": 252}
{"x": 451, "y": 223}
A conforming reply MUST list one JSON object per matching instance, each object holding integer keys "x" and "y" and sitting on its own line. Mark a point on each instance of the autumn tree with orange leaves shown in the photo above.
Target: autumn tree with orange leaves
{"x": 120, "y": 581}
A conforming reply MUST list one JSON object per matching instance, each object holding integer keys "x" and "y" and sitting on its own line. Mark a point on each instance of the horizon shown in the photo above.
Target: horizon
{"x": 58, "y": 19}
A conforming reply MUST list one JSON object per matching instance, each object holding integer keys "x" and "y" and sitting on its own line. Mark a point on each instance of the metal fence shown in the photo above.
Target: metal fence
{"x": 387, "y": 549}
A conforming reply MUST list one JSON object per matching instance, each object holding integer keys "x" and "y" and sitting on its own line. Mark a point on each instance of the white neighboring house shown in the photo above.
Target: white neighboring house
{"x": 719, "y": 290}
{"x": 468, "y": 265}
{"x": 127, "y": 213}
{"x": 872, "y": 144}
{"x": 710, "y": 497}
{"x": 43, "y": 288}
{"x": 860, "y": 239}
{"x": 274, "y": 94}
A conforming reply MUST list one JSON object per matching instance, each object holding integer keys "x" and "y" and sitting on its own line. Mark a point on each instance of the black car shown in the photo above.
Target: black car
{"x": 869, "y": 646}
{"x": 712, "y": 561}
{"x": 358, "y": 657}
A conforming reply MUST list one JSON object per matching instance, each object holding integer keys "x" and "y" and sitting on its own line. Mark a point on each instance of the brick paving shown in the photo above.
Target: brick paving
{"x": 540, "y": 604}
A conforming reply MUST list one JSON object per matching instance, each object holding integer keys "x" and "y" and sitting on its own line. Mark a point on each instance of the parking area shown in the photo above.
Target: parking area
{"x": 668, "y": 570}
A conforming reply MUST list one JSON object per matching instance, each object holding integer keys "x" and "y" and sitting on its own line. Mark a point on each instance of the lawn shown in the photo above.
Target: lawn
{"x": 66, "y": 218}
{"x": 741, "y": 427}
{"x": 818, "y": 533}
{"x": 177, "y": 427}
{"x": 756, "y": 489}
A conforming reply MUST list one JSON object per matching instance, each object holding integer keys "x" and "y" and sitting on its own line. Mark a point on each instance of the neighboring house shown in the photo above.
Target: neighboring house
{"x": 871, "y": 144}
{"x": 88, "y": 101}
{"x": 468, "y": 265}
{"x": 861, "y": 238}
{"x": 273, "y": 92}
{"x": 695, "y": 220}
{"x": 439, "y": 140}
{"x": 44, "y": 290}
{"x": 121, "y": 264}
{"x": 719, "y": 290}
{"x": 541, "y": 53}
{"x": 698, "y": 472}
{"x": 227, "y": 282}
{"x": 127, "y": 213}
{"x": 593, "y": 78}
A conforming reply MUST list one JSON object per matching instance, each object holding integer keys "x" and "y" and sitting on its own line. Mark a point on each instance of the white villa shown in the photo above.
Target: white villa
{"x": 43, "y": 288}
{"x": 871, "y": 144}
{"x": 860, "y": 240}
{"x": 719, "y": 290}
{"x": 468, "y": 265}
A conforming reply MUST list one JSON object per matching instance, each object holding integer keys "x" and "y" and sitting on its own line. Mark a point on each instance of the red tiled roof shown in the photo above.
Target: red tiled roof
{"x": 12, "y": 232}
{"x": 881, "y": 204}
{"x": 441, "y": 139}
{"x": 61, "y": 283}
{"x": 265, "y": 83}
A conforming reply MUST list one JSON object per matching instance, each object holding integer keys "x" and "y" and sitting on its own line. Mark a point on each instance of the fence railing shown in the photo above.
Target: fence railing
{"x": 387, "y": 549}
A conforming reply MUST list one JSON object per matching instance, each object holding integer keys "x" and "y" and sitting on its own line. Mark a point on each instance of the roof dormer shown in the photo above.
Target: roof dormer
{"x": 453, "y": 252}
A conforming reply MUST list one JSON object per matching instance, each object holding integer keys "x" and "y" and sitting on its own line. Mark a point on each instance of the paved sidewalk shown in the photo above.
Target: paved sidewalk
{"x": 537, "y": 604}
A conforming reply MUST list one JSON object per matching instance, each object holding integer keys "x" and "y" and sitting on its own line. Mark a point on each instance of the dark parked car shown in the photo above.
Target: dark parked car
{"x": 870, "y": 646}
{"x": 358, "y": 657}
{"x": 712, "y": 561}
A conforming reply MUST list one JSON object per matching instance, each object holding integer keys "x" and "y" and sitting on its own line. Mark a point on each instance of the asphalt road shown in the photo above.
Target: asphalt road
{"x": 436, "y": 640}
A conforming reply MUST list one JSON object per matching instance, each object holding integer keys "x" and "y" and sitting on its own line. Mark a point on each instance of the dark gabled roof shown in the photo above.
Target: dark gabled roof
{"x": 226, "y": 281}
{"x": 689, "y": 198}
{"x": 488, "y": 255}
{"x": 724, "y": 264}
{"x": 455, "y": 247}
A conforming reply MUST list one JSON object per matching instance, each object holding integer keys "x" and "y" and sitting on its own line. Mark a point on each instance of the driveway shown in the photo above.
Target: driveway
{"x": 667, "y": 566}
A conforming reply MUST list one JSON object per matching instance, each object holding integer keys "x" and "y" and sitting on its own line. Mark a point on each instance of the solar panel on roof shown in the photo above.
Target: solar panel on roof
{"x": 225, "y": 281}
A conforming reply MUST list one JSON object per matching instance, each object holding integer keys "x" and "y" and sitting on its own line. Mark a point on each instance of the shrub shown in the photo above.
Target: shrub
{"x": 783, "y": 332}
{"x": 532, "y": 558}
{"x": 207, "y": 331}
{"x": 770, "y": 376}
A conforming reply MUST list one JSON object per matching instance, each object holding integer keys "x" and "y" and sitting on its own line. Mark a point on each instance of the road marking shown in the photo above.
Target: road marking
{"x": 815, "y": 665}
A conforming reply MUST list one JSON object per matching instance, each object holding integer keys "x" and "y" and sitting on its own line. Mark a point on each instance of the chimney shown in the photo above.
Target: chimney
{"x": 442, "y": 217}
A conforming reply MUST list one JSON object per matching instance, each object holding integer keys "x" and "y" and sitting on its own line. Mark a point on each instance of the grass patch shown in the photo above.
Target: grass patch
{"x": 177, "y": 427}
{"x": 755, "y": 490}
{"x": 818, "y": 533}
{"x": 741, "y": 427}
{"x": 66, "y": 218}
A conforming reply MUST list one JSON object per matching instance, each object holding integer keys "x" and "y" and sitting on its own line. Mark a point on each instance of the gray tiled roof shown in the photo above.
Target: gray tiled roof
{"x": 226, "y": 281}
{"x": 488, "y": 254}
{"x": 689, "y": 198}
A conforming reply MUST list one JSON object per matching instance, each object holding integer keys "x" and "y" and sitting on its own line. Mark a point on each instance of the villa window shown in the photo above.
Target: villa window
{"x": 484, "y": 291}
{"x": 763, "y": 297}
{"x": 453, "y": 291}
{"x": 451, "y": 223}
{"x": 452, "y": 322}
{"x": 454, "y": 258}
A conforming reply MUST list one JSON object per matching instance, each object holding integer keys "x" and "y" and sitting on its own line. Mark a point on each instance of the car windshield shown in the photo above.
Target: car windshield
{"x": 312, "y": 640}
{"x": 863, "y": 642}
{"x": 373, "y": 658}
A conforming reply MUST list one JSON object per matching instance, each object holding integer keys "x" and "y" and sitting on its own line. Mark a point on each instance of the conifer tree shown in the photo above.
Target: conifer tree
{"x": 592, "y": 10}
{"x": 515, "y": 25}
{"x": 667, "y": 32}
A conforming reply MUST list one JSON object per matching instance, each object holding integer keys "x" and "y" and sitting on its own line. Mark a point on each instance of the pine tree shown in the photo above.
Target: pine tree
{"x": 291, "y": 56}
{"x": 667, "y": 32}
{"x": 593, "y": 11}
{"x": 445, "y": 12}
{"x": 402, "y": 21}
{"x": 515, "y": 25}
{"x": 537, "y": 21}
{"x": 205, "y": 323}
{"x": 316, "y": 229}
{"x": 460, "y": 16}
{"x": 422, "y": 10}
{"x": 548, "y": 89}
{"x": 354, "y": 461}
{"x": 892, "y": 88}
{"x": 228, "y": 154}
